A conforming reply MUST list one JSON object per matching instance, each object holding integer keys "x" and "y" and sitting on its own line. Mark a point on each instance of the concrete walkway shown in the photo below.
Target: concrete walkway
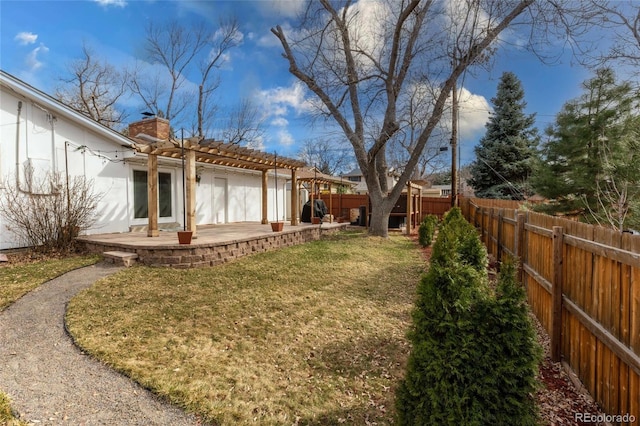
{"x": 51, "y": 382}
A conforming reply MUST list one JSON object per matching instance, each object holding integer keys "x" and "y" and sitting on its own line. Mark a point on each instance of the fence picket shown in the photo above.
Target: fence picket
{"x": 597, "y": 331}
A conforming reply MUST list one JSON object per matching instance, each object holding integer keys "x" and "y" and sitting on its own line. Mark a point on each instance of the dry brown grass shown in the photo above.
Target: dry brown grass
{"x": 312, "y": 334}
{"x": 22, "y": 274}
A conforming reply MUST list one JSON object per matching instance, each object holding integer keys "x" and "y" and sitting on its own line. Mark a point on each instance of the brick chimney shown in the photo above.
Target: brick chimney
{"x": 155, "y": 127}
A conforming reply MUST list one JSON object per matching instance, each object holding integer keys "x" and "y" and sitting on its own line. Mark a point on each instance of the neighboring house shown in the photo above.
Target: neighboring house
{"x": 40, "y": 135}
{"x": 324, "y": 183}
{"x": 355, "y": 176}
{"x": 436, "y": 191}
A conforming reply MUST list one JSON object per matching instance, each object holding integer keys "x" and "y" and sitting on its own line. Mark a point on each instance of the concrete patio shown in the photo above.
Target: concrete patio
{"x": 214, "y": 244}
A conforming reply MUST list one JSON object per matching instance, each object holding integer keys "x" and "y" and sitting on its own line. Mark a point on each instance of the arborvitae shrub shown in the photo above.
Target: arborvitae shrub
{"x": 474, "y": 356}
{"x": 427, "y": 229}
{"x": 457, "y": 238}
{"x": 510, "y": 353}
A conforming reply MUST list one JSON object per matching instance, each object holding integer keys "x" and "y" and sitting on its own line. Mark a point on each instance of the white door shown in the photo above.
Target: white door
{"x": 220, "y": 200}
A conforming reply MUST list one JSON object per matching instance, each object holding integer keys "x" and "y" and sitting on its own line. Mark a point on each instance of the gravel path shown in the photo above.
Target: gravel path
{"x": 51, "y": 382}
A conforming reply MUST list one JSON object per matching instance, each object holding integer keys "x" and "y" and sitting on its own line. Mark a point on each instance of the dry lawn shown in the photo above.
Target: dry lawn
{"x": 6, "y": 417}
{"x": 22, "y": 275}
{"x": 312, "y": 334}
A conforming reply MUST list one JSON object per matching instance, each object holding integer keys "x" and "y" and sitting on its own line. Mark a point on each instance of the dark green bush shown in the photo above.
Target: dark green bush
{"x": 474, "y": 356}
{"x": 458, "y": 239}
{"x": 427, "y": 230}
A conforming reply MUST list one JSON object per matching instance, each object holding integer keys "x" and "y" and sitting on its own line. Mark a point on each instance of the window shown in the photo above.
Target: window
{"x": 140, "y": 199}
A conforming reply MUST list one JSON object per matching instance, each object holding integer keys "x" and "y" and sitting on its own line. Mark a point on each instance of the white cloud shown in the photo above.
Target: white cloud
{"x": 283, "y": 100}
{"x": 25, "y": 38}
{"x": 282, "y": 8}
{"x": 270, "y": 40}
{"x": 33, "y": 61}
{"x": 279, "y": 104}
{"x": 285, "y": 138}
{"x": 280, "y": 122}
{"x": 474, "y": 113}
{"x": 106, "y": 3}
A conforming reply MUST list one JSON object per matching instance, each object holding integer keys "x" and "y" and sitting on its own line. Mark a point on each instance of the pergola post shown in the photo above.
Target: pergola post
{"x": 265, "y": 182}
{"x": 409, "y": 205}
{"x": 294, "y": 198}
{"x": 152, "y": 196}
{"x": 191, "y": 191}
{"x": 330, "y": 205}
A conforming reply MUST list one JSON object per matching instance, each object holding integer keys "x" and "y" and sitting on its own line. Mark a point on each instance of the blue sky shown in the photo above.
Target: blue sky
{"x": 38, "y": 39}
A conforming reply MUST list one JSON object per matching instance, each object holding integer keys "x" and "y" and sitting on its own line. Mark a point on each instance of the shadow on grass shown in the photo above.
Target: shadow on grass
{"x": 377, "y": 357}
{"x": 370, "y": 369}
{"x": 346, "y": 416}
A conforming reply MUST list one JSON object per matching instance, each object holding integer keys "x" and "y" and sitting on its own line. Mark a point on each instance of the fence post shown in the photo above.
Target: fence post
{"x": 490, "y": 231}
{"x": 519, "y": 245}
{"x": 556, "y": 295}
{"x": 499, "y": 237}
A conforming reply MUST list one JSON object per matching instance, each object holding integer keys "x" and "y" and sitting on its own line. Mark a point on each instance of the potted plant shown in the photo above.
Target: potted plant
{"x": 184, "y": 237}
{"x": 276, "y": 226}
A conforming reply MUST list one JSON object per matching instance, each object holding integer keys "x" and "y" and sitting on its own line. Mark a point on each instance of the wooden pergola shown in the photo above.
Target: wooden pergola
{"x": 313, "y": 177}
{"x": 209, "y": 151}
{"x": 414, "y": 195}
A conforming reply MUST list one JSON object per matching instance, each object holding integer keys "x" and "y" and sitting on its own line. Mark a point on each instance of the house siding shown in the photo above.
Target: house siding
{"x": 107, "y": 159}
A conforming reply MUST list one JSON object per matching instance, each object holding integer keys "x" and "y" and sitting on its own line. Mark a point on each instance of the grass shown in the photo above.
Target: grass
{"x": 311, "y": 334}
{"x": 6, "y": 417}
{"x": 18, "y": 279}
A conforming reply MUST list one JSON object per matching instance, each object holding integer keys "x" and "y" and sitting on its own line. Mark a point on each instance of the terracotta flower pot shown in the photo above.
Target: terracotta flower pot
{"x": 184, "y": 237}
{"x": 277, "y": 226}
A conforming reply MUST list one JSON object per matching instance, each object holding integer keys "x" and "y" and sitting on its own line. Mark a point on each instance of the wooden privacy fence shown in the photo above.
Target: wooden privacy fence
{"x": 341, "y": 205}
{"x": 583, "y": 284}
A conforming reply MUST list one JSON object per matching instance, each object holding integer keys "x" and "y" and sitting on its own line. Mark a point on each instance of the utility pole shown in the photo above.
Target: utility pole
{"x": 454, "y": 144}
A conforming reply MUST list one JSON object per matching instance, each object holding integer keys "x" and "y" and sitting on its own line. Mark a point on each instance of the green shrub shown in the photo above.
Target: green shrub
{"x": 458, "y": 239}
{"x": 474, "y": 356}
{"x": 510, "y": 353}
{"x": 427, "y": 230}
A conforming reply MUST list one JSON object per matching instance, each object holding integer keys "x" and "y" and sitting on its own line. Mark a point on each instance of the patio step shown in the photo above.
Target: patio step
{"x": 120, "y": 257}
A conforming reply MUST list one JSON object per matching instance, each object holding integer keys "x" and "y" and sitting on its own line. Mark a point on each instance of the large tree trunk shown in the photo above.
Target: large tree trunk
{"x": 381, "y": 206}
{"x": 379, "y": 224}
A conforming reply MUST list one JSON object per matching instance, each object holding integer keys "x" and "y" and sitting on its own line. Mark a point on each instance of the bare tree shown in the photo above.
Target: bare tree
{"x": 622, "y": 20}
{"x": 329, "y": 156}
{"x": 219, "y": 44}
{"x": 359, "y": 59}
{"x": 417, "y": 106}
{"x": 93, "y": 88}
{"x": 174, "y": 48}
{"x": 243, "y": 125}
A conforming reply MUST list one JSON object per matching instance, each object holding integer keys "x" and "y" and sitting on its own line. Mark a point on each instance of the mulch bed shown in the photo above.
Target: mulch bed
{"x": 559, "y": 399}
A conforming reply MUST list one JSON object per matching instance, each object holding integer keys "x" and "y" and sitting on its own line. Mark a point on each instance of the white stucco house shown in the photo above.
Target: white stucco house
{"x": 40, "y": 135}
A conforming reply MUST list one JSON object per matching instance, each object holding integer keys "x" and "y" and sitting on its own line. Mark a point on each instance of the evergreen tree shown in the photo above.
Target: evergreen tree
{"x": 474, "y": 354}
{"x": 506, "y": 152}
{"x": 589, "y": 164}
